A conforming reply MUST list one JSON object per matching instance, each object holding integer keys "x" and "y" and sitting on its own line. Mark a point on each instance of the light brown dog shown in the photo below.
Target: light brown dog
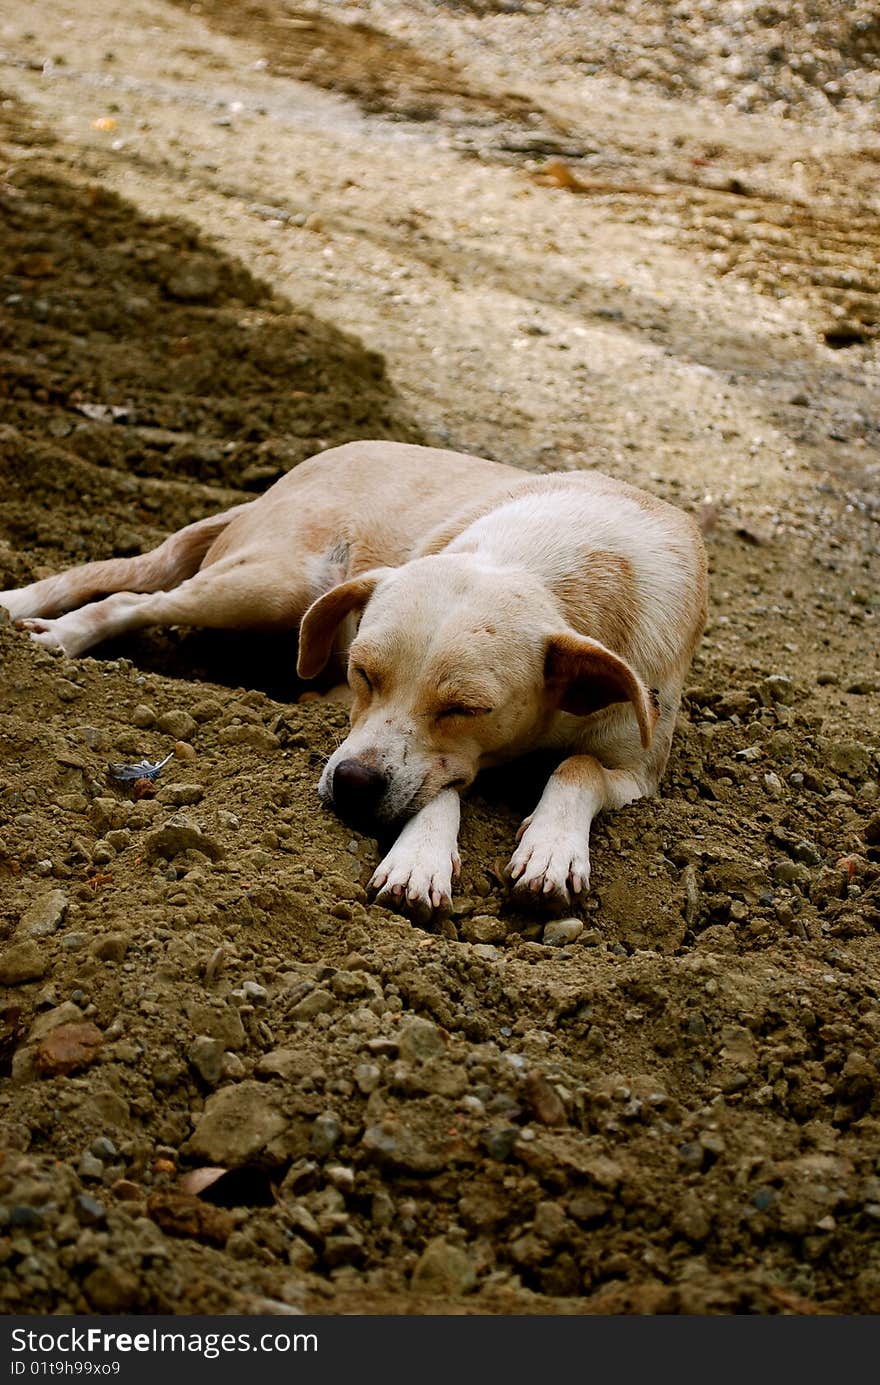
{"x": 483, "y": 612}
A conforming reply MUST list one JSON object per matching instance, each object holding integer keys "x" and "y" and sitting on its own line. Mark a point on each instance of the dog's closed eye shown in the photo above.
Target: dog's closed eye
{"x": 366, "y": 679}
{"x": 459, "y": 709}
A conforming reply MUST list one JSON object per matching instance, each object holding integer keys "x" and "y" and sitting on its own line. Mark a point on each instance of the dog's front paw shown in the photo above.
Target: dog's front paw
{"x": 550, "y": 870}
{"x": 418, "y": 888}
{"x": 43, "y": 632}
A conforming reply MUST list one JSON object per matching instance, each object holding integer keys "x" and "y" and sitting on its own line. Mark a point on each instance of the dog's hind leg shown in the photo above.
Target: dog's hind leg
{"x": 229, "y": 595}
{"x": 159, "y": 570}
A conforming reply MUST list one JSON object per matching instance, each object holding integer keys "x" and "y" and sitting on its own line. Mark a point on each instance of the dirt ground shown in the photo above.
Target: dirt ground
{"x": 616, "y": 235}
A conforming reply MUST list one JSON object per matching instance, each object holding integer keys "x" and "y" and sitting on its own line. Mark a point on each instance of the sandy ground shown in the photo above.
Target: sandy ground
{"x": 235, "y": 234}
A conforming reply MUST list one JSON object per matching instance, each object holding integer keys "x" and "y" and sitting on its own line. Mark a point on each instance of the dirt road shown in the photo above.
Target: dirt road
{"x": 561, "y": 236}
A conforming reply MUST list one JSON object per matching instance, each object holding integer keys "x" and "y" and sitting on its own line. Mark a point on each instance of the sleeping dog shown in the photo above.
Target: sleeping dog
{"x": 481, "y": 612}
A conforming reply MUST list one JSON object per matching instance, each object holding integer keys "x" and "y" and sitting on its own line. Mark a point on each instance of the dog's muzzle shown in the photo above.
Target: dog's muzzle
{"x": 357, "y": 790}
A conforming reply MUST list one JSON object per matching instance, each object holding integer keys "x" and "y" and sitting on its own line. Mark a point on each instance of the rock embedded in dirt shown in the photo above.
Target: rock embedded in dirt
{"x": 562, "y": 931}
{"x": 419, "y": 1040}
{"x": 195, "y": 280}
{"x": 255, "y": 736}
{"x": 254, "y": 993}
{"x": 67, "y": 1048}
{"x": 367, "y": 1077}
{"x": 110, "y": 947}
{"x": 66, "y": 1013}
{"x": 443, "y": 1269}
{"x": 45, "y": 915}
{"x": 183, "y": 1214}
{"x": 315, "y": 1003}
{"x": 181, "y": 795}
{"x": 236, "y": 1125}
{"x": 111, "y": 1289}
{"x": 178, "y": 724}
{"x": 393, "y": 1146}
{"x": 206, "y": 1056}
{"x": 178, "y": 836}
{"x": 848, "y": 758}
{"x": 792, "y": 873}
{"x": 23, "y": 961}
{"x": 542, "y": 1099}
{"x": 484, "y": 928}
{"x": 90, "y": 1166}
{"x": 289, "y": 1064}
{"x": 779, "y": 688}
{"x": 89, "y": 1211}
{"x": 219, "y": 1021}
{"x": 325, "y": 1135}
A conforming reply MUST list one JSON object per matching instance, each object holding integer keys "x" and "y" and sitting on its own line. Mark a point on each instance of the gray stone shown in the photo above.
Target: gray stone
{"x": 395, "y": 1147}
{"x": 178, "y": 724}
{"x": 23, "y": 1215}
{"x": 791, "y": 873}
{"x": 366, "y": 1076}
{"x": 500, "y": 1142}
{"x": 44, "y": 916}
{"x": 419, "y": 1040}
{"x": 778, "y": 688}
{"x": 195, "y": 280}
{"x": 177, "y": 836}
{"x": 484, "y": 928}
{"x": 290, "y": 1064}
{"x": 773, "y": 784}
{"x": 255, "y": 993}
{"x": 326, "y": 1133}
{"x": 562, "y": 931}
{"x": 21, "y": 962}
{"x": 807, "y": 852}
{"x": 110, "y": 947}
{"x": 850, "y": 759}
{"x": 443, "y": 1269}
{"x": 206, "y": 1056}
{"x": 181, "y": 795}
{"x": 68, "y": 1013}
{"x": 89, "y": 1211}
{"x": 315, "y": 1003}
{"x": 222, "y": 1022}
{"x": 236, "y": 1124}
{"x": 90, "y": 1166}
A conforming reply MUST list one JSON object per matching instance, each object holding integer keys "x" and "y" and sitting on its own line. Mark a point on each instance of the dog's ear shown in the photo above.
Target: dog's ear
{"x": 323, "y": 618}
{"x": 582, "y": 677}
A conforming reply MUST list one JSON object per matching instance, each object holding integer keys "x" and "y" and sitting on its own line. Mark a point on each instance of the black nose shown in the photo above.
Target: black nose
{"x": 357, "y": 788}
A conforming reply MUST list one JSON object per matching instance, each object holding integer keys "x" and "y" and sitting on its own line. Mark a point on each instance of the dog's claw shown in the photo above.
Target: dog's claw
{"x": 413, "y": 887}
{"x": 42, "y": 632}
{"x": 523, "y": 827}
{"x": 554, "y": 875}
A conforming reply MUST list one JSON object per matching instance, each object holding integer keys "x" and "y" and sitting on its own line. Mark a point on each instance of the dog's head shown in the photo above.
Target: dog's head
{"x": 456, "y": 665}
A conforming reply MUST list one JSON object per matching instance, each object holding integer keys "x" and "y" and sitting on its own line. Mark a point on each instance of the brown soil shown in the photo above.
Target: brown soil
{"x": 216, "y": 263}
